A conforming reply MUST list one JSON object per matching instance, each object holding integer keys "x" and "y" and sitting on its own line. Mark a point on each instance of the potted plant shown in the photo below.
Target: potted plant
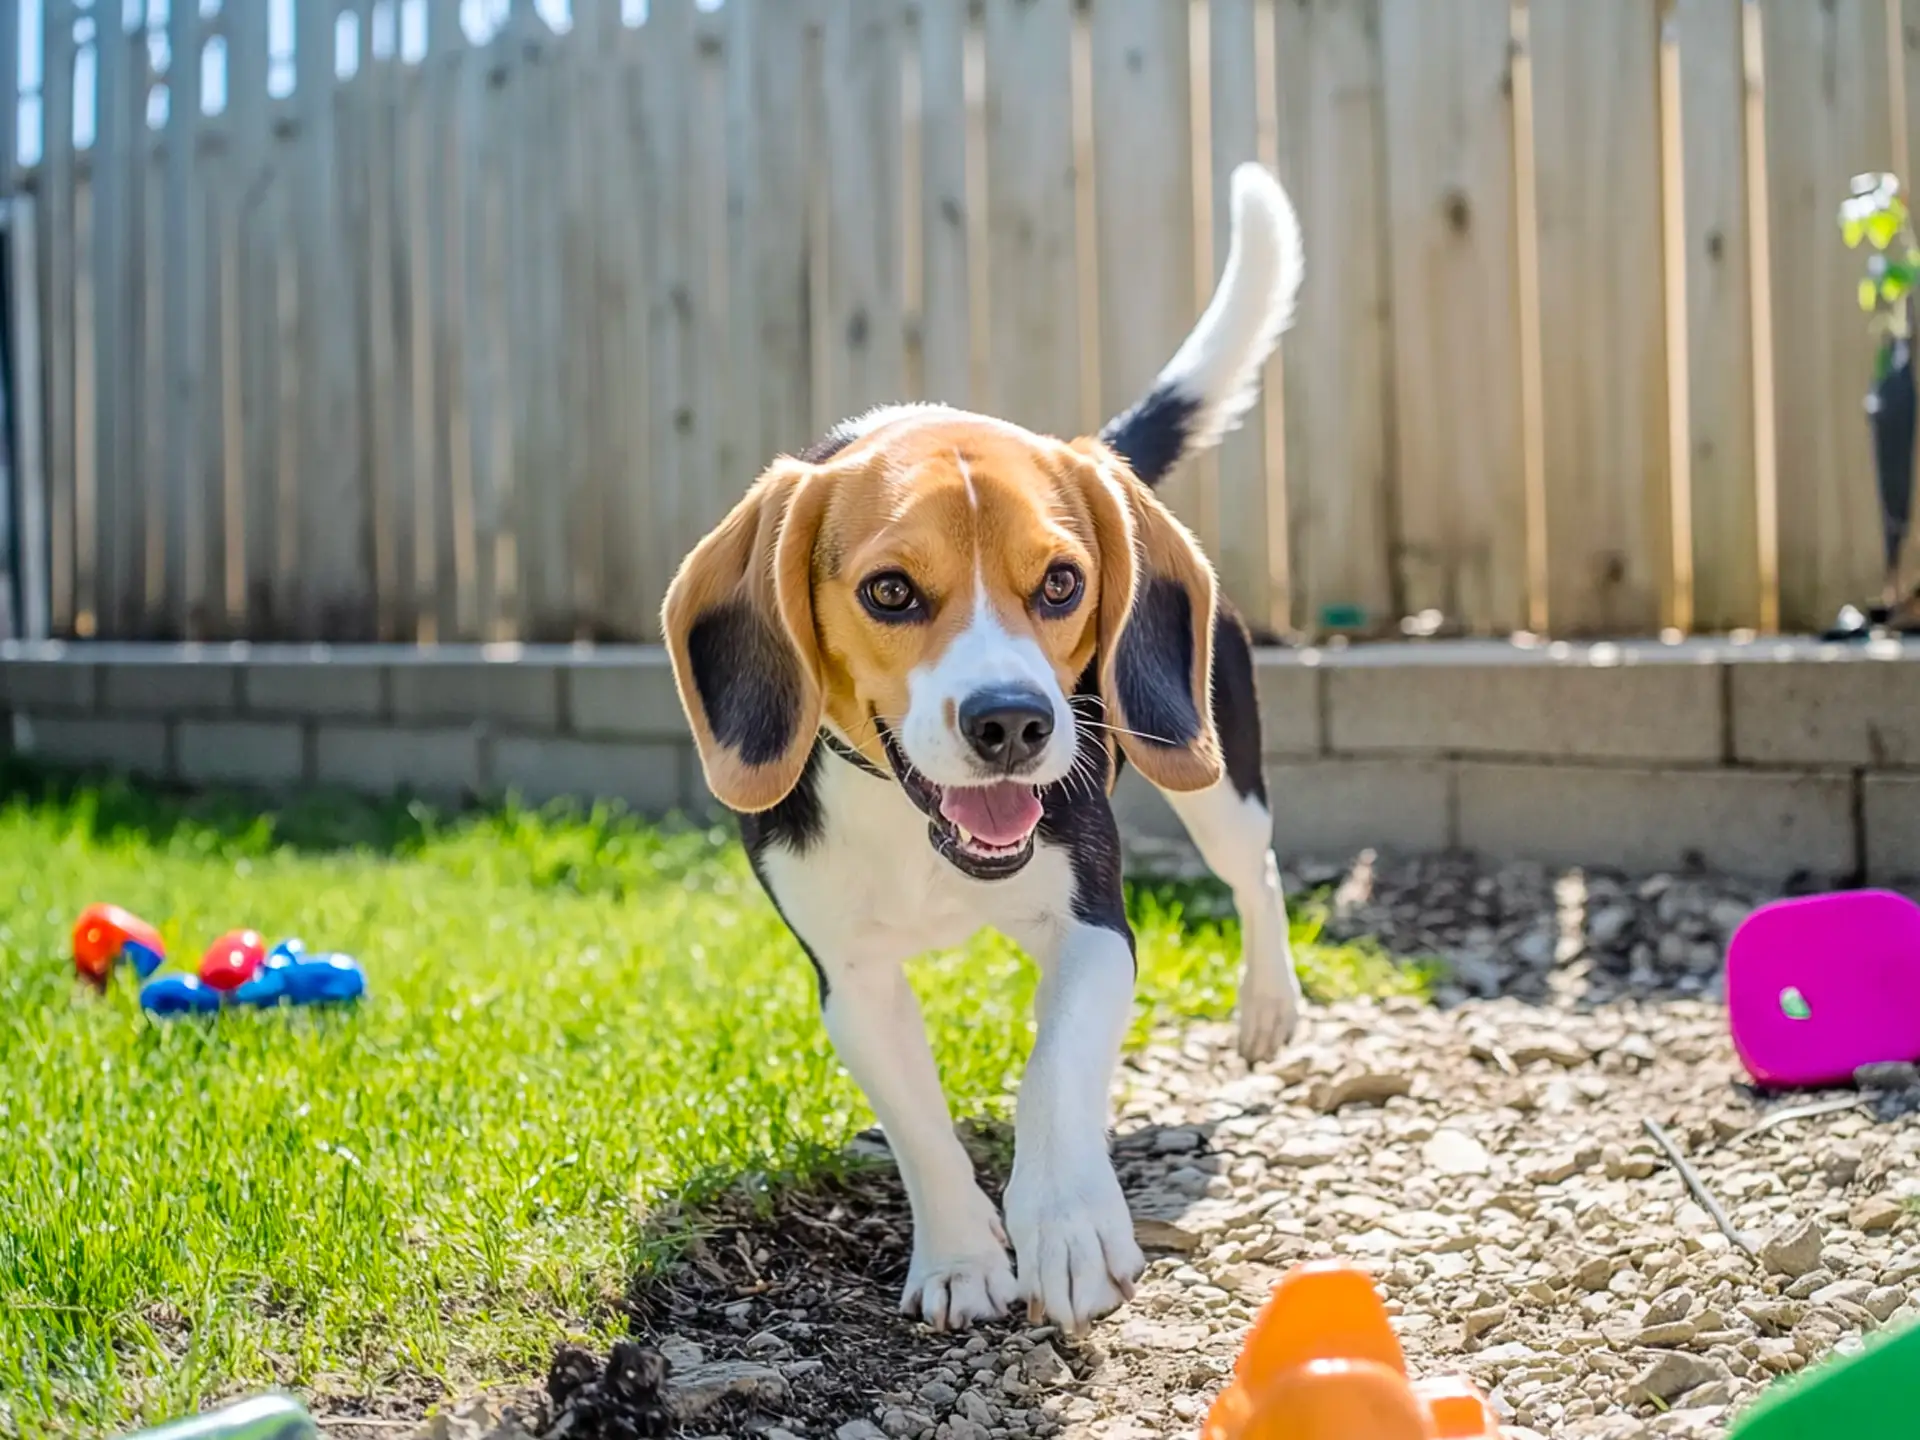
{"x": 1875, "y": 215}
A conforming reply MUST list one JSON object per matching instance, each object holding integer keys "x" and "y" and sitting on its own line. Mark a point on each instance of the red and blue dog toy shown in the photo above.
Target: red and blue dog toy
{"x": 237, "y": 969}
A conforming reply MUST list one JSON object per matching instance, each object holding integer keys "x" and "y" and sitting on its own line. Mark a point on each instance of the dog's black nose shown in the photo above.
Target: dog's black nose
{"x": 1006, "y": 727}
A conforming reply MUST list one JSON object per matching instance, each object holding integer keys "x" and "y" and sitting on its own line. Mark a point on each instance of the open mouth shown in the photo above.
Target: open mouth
{"x": 985, "y": 830}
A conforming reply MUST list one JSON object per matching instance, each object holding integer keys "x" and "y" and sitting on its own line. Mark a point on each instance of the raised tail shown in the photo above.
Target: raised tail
{"x": 1214, "y": 377}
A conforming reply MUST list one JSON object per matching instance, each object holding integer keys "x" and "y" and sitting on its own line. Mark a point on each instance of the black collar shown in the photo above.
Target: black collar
{"x": 852, "y": 756}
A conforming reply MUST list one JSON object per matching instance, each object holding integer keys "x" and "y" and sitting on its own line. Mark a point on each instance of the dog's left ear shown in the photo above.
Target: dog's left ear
{"x": 1157, "y": 600}
{"x": 738, "y": 622}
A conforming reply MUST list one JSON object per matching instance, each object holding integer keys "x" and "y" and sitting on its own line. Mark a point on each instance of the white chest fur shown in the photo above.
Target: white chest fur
{"x": 873, "y": 887}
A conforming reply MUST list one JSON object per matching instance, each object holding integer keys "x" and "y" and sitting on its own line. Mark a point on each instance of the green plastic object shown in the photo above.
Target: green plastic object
{"x": 272, "y": 1416}
{"x": 1873, "y": 1395}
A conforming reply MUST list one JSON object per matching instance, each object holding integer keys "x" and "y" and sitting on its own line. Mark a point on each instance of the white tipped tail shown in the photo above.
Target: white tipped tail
{"x": 1214, "y": 377}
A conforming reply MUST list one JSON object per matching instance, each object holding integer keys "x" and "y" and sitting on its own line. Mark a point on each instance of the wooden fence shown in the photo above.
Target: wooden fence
{"x": 363, "y": 325}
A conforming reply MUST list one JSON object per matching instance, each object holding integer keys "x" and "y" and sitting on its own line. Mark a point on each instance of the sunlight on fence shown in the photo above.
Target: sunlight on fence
{"x": 443, "y": 319}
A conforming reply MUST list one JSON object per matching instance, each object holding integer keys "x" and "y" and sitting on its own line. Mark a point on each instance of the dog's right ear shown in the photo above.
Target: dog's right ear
{"x": 738, "y": 621}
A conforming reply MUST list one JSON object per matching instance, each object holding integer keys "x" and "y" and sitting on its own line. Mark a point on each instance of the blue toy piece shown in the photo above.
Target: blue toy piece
{"x": 325, "y": 978}
{"x": 179, "y": 995}
{"x": 287, "y": 976}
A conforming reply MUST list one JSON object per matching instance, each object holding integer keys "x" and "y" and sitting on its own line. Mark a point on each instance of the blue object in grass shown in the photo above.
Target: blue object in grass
{"x": 321, "y": 979}
{"x": 288, "y": 976}
{"x": 179, "y": 995}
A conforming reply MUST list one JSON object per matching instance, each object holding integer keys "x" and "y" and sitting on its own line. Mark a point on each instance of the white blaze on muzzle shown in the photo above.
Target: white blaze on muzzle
{"x": 985, "y": 661}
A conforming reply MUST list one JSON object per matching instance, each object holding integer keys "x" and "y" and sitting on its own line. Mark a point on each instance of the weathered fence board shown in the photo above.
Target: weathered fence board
{"x": 1340, "y": 427}
{"x": 57, "y": 251}
{"x": 1726, "y": 547}
{"x": 1821, "y": 130}
{"x": 472, "y": 339}
{"x": 945, "y": 289}
{"x": 1033, "y": 301}
{"x": 1237, "y": 89}
{"x": 1456, "y": 359}
{"x": 1602, "y": 319}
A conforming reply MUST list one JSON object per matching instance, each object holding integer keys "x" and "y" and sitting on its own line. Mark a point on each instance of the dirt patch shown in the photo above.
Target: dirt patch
{"x": 1486, "y": 1159}
{"x": 806, "y": 1287}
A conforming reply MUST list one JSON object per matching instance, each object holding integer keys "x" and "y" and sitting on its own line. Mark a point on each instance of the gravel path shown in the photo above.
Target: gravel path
{"x": 1486, "y": 1158}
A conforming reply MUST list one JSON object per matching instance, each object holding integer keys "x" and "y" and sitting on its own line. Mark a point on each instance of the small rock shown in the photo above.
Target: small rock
{"x": 1176, "y": 1140}
{"x": 961, "y": 1428}
{"x": 1892, "y": 1075}
{"x": 1042, "y": 1365}
{"x": 1608, "y": 926}
{"x": 938, "y": 1394}
{"x": 1152, "y": 1234}
{"x": 1674, "y": 1373}
{"x": 1560, "y": 1049}
{"x": 1622, "y": 1164}
{"x": 1479, "y": 1322}
{"x": 1795, "y": 1251}
{"x": 473, "y": 1420}
{"x": 857, "y": 1430}
{"x": 1883, "y": 1301}
{"x": 900, "y": 1423}
{"x": 1804, "y": 1287}
{"x": 1670, "y": 1305}
{"x": 1358, "y": 1087}
{"x": 681, "y": 1353}
{"x": 973, "y": 1405}
{"x": 1564, "y": 1166}
{"x": 1875, "y": 1214}
{"x": 1672, "y": 1332}
{"x": 1454, "y": 1152}
{"x": 698, "y": 1390}
{"x": 1851, "y": 1292}
{"x": 1594, "y": 1274}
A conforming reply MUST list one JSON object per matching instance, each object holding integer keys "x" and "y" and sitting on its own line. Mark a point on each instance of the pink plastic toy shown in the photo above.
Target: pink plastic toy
{"x": 1819, "y": 986}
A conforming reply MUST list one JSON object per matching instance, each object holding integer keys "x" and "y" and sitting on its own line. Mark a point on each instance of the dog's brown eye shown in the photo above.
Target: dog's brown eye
{"x": 1061, "y": 587}
{"x": 890, "y": 595}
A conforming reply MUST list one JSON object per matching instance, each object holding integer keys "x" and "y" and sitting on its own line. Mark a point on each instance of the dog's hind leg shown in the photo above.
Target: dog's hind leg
{"x": 959, "y": 1272}
{"x": 1232, "y": 827}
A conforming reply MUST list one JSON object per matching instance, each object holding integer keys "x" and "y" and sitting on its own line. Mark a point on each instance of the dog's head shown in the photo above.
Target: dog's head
{"x": 935, "y": 592}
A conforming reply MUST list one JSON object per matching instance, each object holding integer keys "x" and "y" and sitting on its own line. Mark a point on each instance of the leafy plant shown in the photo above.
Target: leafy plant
{"x": 1874, "y": 214}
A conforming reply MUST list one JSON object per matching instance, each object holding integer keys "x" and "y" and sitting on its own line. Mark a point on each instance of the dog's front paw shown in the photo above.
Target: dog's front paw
{"x": 961, "y": 1274}
{"x": 1074, "y": 1239}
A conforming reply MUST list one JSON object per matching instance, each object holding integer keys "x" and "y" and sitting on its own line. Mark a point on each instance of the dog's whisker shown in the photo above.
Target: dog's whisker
{"x": 1123, "y": 730}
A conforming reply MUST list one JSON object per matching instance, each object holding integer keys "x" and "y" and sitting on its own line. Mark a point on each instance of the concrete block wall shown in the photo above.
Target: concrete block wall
{"x": 1771, "y": 758}
{"x": 448, "y": 723}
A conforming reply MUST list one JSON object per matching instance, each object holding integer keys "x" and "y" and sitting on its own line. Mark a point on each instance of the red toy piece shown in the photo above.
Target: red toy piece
{"x": 105, "y": 934}
{"x": 233, "y": 959}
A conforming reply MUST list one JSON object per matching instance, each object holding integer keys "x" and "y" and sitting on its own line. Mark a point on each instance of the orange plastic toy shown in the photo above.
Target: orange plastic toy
{"x": 1322, "y": 1363}
{"x": 105, "y": 934}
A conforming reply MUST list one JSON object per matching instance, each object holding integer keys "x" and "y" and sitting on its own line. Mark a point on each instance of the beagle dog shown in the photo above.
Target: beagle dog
{"x": 915, "y": 658}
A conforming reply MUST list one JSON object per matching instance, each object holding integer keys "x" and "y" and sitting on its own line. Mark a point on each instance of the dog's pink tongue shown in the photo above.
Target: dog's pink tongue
{"x": 1002, "y": 814}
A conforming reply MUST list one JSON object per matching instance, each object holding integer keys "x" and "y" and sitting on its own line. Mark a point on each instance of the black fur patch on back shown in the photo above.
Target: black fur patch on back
{"x": 827, "y": 446}
{"x": 1154, "y": 666}
{"x": 1236, "y": 704}
{"x": 1152, "y": 436}
{"x": 746, "y": 678}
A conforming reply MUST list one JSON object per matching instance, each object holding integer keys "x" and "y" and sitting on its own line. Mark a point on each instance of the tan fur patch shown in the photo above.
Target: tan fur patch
{"x": 964, "y": 508}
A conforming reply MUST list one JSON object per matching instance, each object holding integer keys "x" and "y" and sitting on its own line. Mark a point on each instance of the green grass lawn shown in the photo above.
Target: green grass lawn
{"x": 573, "y": 1018}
